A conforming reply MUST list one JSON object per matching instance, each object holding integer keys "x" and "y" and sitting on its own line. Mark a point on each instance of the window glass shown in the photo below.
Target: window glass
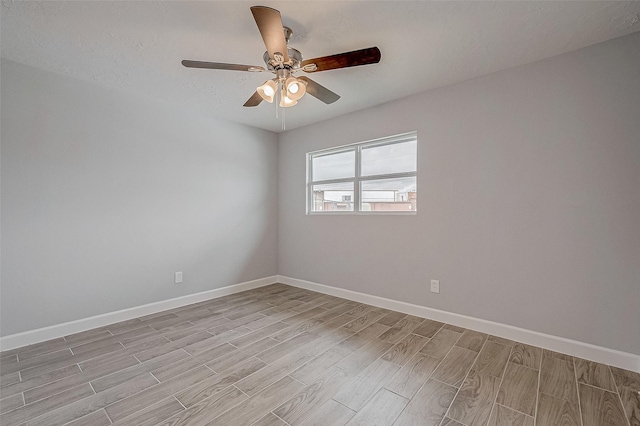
{"x": 334, "y": 166}
{"x": 369, "y": 177}
{"x": 333, "y": 197}
{"x": 389, "y": 195}
{"x": 388, "y": 159}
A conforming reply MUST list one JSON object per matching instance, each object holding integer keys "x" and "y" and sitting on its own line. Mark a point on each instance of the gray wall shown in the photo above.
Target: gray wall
{"x": 528, "y": 200}
{"x": 104, "y": 196}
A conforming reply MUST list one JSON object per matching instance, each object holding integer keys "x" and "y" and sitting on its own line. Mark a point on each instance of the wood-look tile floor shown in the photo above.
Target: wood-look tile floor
{"x": 279, "y": 355}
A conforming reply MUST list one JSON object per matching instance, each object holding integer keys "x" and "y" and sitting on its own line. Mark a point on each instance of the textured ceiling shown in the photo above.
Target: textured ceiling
{"x": 137, "y": 46}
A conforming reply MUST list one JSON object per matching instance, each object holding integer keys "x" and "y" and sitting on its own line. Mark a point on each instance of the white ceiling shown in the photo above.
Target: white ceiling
{"x": 137, "y": 46}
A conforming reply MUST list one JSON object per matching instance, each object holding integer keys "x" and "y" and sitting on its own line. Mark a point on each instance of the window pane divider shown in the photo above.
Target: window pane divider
{"x": 364, "y": 178}
{"x": 340, "y": 180}
{"x": 389, "y": 176}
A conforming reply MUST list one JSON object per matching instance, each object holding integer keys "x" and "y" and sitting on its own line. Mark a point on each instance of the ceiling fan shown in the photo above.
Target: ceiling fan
{"x": 285, "y": 61}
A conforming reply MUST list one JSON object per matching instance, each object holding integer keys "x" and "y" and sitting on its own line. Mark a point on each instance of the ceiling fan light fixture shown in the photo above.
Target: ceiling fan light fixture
{"x": 295, "y": 88}
{"x": 268, "y": 90}
{"x": 286, "y": 101}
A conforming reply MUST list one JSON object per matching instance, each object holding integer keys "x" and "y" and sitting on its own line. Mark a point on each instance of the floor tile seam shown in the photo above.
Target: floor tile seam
{"x": 49, "y": 412}
{"x": 71, "y": 364}
{"x": 598, "y": 387}
{"x": 465, "y": 377}
{"x": 285, "y": 422}
{"x": 94, "y": 391}
{"x": 521, "y": 365}
{"x": 366, "y": 366}
{"x": 106, "y": 414}
{"x": 175, "y": 396}
{"x": 175, "y": 364}
{"x": 133, "y": 394}
{"x": 424, "y": 337}
{"x": 158, "y": 380}
{"x": 559, "y": 398}
{"x": 237, "y": 347}
{"x": 411, "y": 399}
{"x": 157, "y": 385}
{"x": 168, "y": 329}
{"x": 137, "y": 412}
{"x": 49, "y": 383}
{"x": 144, "y": 339}
{"x": 232, "y": 407}
{"x": 504, "y": 373}
{"x": 575, "y": 375}
{"x": 272, "y": 411}
{"x": 447, "y": 384}
{"x": 89, "y": 341}
{"x": 433, "y": 371}
{"x": 544, "y": 355}
{"x": 501, "y": 344}
{"x": 43, "y": 363}
{"x": 442, "y": 328}
{"x": 260, "y": 359}
{"x": 519, "y": 412}
{"x": 329, "y": 330}
{"x": 338, "y": 402}
{"x": 394, "y": 392}
{"x": 120, "y": 334}
{"x": 535, "y": 411}
{"x": 183, "y": 406}
{"x": 306, "y": 363}
{"x": 15, "y": 408}
{"x": 299, "y": 381}
{"x": 409, "y": 360}
{"x": 76, "y": 344}
{"x": 516, "y": 410}
{"x": 619, "y": 396}
{"x": 285, "y": 341}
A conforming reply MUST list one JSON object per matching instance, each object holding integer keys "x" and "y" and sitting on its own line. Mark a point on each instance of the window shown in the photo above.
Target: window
{"x": 369, "y": 177}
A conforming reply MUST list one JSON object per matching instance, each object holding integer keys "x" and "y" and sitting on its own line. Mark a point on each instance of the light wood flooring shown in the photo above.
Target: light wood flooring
{"x": 279, "y": 355}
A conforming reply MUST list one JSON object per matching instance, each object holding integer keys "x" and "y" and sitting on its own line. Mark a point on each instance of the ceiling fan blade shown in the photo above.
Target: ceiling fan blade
{"x": 367, "y": 56}
{"x": 254, "y": 100}
{"x": 319, "y": 91}
{"x": 269, "y": 23}
{"x": 221, "y": 66}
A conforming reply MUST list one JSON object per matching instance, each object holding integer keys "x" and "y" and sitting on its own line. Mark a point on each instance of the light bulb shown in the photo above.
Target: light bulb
{"x": 287, "y": 102}
{"x": 267, "y": 90}
{"x": 295, "y": 88}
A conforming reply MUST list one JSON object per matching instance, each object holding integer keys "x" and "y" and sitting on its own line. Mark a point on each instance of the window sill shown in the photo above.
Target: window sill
{"x": 413, "y": 213}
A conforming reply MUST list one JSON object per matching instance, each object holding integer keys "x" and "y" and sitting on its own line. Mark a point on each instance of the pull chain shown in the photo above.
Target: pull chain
{"x": 283, "y": 118}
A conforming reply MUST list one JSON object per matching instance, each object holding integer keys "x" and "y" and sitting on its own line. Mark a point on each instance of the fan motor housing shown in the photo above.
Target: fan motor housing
{"x": 295, "y": 57}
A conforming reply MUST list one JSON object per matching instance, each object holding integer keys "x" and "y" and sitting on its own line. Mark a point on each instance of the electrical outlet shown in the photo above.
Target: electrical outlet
{"x": 178, "y": 277}
{"x": 435, "y": 286}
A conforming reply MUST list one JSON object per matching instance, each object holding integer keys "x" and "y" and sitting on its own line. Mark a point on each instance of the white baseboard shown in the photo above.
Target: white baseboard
{"x": 588, "y": 351}
{"x": 47, "y": 333}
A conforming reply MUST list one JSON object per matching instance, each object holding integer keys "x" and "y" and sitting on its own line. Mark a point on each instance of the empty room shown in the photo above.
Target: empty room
{"x": 320, "y": 213}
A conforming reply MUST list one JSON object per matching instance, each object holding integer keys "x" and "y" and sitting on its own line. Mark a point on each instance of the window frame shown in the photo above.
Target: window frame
{"x": 357, "y": 179}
